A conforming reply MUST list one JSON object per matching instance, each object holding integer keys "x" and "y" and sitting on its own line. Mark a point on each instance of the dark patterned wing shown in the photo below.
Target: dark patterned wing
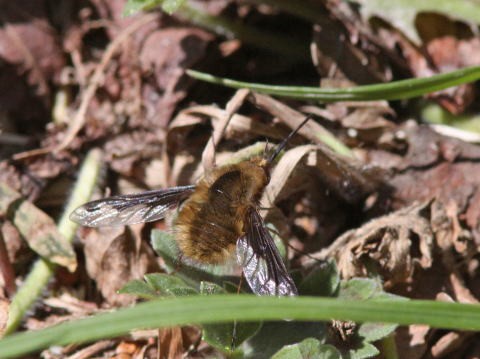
{"x": 130, "y": 209}
{"x": 262, "y": 265}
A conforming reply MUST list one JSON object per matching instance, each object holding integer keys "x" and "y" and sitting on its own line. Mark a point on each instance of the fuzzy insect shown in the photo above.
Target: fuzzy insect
{"x": 217, "y": 216}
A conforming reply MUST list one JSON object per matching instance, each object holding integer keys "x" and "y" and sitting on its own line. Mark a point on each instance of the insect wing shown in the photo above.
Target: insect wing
{"x": 130, "y": 209}
{"x": 262, "y": 265}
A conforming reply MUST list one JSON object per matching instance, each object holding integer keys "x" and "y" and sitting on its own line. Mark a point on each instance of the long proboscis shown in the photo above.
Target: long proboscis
{"x": 282, "y": 144}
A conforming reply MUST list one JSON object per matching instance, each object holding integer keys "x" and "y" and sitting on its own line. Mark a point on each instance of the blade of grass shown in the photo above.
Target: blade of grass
{"x": 396, "y": 90}
{"x": 43, "y": 270}
{"x": 224, "y": 308}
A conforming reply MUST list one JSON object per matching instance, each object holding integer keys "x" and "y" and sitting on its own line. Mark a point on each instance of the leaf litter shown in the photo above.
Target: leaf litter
{"x": 367, "y": 184}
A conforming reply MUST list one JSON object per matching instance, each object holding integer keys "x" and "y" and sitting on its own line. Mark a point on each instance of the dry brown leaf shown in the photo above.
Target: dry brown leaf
{"x": 128, "y": 349}
{"x": 472, "y": 216}
{"x": 125, "y": 152}
{"x": 283, "y": 173}
{"x": 219, "y": 128}
{"x": 115, "y": 256}
{"x": 449, "y": 343}
{"x": 389, "y": 242}
{"x": 37, "y": 228}
{"x": 292, "y": 118}
{"x": 31, "y": 59}
{"x": 166, "y": 53}
{"x": 345, "y": 177}
{"x": 71, "y": 304}
{"x": 92, "y": 349}
{"x": 171, "y": 343}
{"x": 412, "y": 341}
{"x": 337, "y": 51}
{"x": 239, "y": 127}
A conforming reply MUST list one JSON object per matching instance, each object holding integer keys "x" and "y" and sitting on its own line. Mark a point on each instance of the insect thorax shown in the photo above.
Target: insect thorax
{"x": 211, "y": 220}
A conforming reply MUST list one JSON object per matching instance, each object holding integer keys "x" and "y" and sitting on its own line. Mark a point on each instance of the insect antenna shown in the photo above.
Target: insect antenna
{"x": 265, "y": 150}
{"x": 282, "y": 144}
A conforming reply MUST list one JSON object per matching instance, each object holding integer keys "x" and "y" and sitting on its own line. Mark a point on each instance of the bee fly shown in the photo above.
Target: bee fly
{"x": 217, "y": 215}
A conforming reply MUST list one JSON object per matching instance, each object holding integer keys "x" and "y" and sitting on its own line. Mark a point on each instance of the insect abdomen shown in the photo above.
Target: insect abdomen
{"x": 211, "y": 220}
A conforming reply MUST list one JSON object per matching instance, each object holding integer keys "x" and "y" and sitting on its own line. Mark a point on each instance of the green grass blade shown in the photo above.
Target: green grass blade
{"x": 395, "y": 90}
{"x": 224, "y": 308}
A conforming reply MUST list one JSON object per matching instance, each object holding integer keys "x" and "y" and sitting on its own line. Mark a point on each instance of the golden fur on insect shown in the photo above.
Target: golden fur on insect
{"x": 212, "y": 218}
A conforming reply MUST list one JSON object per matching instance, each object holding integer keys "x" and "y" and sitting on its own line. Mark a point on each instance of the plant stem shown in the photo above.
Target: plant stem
{"x": 395, "y": 90}
{"x": 6, "y": 267}
{"x": 43, "y": 270}
{"x": 389, "y": 347}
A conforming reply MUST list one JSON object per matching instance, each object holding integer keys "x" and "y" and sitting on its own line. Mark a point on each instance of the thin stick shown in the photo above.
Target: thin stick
{"x": 6, "y": 267}
{"x": 208, "y": 156}
{"x": 96, "y": 80}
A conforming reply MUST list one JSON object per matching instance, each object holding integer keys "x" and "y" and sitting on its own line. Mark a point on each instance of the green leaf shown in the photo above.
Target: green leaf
{"x": 434, "y": 113}
{"x": 134, "y": 6}
{"x": 158, "y": 285}
{"x": 225, "y": 308}
{"x": 168, "y": 284}
{"x": 170, "y": 6}
{"x": 395, "y": 90}
{"x": 37, "y": 228}
{"x": 322, "y": 281}
{"x": 372, "y": 332}
{"x": 364, "y": 350}
{"x": 228, "y": 336}
{"x": 140, "y": 289}
{"x": 308, "y": 349}
{"x": 363, "y": 289}
{"x": 275, "y": 335}
{"x": 165, "y": 246}
{"x": 359, "y": 289}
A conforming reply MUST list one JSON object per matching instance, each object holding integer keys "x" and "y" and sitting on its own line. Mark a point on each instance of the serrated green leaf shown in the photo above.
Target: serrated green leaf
{"x": 362, "y": 289}
{"x": 309, "y": 348}
{"x": 359, "y": 289}
{"x": 165, "y": 246}
{"x": 372, "y": 332}
{"x": 226, "y": 337}
{"x": 140, "y": 289}
{"x": 168, "y": 284}
{"x": 275, "y": 335}
{"x": 323, "y": 281}
{"x": 363, "y": 351}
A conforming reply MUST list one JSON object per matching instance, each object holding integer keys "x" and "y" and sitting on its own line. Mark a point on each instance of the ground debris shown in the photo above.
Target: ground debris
{"x": 388, "y": 243}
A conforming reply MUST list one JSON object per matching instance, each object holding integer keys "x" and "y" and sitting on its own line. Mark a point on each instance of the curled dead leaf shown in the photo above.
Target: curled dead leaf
{"x": 115, "y": 256}
{"x": 37, "y": 228}
{"x": 346, "y": 177}
{"x": 389, "y": 241}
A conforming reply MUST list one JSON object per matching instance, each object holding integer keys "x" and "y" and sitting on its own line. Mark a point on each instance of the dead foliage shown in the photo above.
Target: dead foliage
{"x": 401, "y": 203}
